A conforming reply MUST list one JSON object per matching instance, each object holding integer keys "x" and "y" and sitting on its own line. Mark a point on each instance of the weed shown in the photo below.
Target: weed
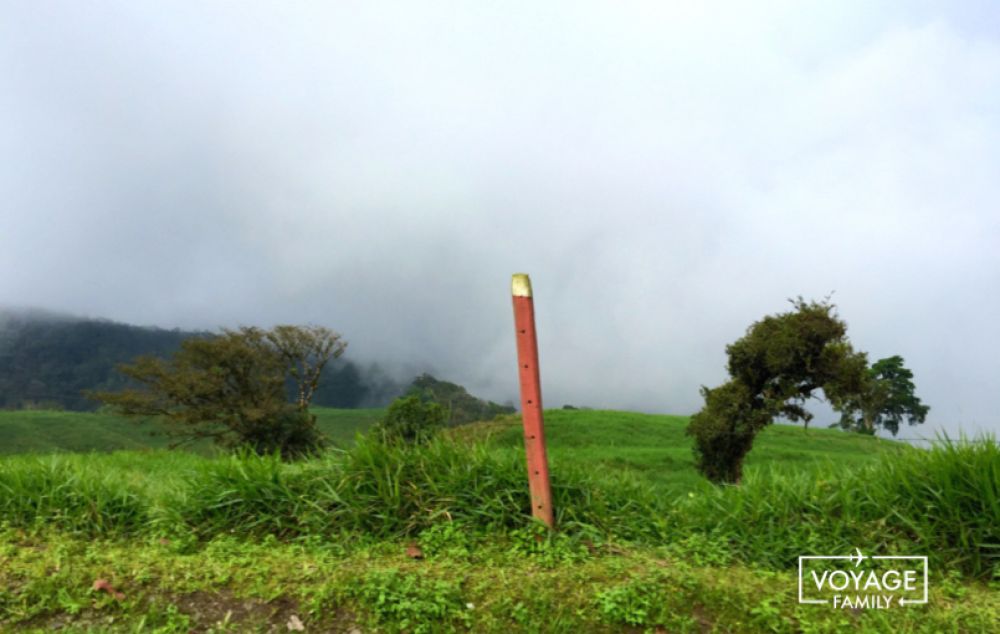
{"x": 409, "y": 602}
{"x": 450, "y": 539}
{"x": 633, "y": 603}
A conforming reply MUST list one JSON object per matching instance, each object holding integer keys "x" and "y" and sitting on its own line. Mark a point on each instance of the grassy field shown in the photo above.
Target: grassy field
{"x": 44, "y": 431}
{"x": 656, "y": 448}
{"x": 438, "y": 538}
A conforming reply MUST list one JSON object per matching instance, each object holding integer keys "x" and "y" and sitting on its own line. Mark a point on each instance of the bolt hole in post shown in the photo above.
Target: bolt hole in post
{"x": 531, "y": 400}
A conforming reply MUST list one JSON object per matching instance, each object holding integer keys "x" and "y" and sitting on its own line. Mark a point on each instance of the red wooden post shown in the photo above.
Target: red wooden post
{"x": 531, "y": 400}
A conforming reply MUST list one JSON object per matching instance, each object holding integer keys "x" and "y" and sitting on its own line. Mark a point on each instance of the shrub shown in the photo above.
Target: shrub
{"x": 724, "y": 431}
{"x": 410, "y": 420}
{"x": 291, "y": 432}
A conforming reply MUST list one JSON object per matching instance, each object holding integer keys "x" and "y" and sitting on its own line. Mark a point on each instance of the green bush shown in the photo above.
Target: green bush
{"x": 410, "y": 420}
{"x": 292, "y": 432}
{"x": 724, "y": 431}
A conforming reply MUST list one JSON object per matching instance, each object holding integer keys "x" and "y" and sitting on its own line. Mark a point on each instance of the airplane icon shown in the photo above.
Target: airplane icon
{"x": 857, "y": 558}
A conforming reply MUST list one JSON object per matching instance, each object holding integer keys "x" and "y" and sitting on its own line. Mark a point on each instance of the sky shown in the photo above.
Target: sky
{"x": 666, "y": 172}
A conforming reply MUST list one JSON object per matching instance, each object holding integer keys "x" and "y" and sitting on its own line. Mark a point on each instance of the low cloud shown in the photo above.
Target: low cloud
{"x": 666, "y": 175}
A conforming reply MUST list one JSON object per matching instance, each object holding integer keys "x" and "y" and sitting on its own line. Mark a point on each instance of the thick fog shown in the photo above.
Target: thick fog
{"x": 667, "y": 173}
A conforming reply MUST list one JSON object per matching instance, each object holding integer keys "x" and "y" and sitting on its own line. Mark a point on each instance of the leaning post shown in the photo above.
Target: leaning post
{"x": 531, "y": 400}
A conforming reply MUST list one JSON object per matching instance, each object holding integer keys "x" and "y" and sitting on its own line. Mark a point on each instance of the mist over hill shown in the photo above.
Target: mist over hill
{"x": 49, "y": 359}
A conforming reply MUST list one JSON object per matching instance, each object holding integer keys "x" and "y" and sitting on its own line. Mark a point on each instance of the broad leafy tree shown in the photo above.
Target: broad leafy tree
{"x": 774, "y": 369}
{"x": 305, "y": 350}
{"x": 231, "y": 388}
{"x": 888, "y": 399}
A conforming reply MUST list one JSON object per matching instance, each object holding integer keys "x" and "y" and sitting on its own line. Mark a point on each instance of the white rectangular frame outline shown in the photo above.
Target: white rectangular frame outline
{"x": 922, "y": 558}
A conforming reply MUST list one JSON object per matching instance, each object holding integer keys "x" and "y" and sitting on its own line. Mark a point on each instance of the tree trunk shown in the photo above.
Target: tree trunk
{"x": 869, "y": 423}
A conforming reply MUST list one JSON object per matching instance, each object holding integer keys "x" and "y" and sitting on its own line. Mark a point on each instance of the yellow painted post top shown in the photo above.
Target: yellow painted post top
{"x": 520, "y": 285}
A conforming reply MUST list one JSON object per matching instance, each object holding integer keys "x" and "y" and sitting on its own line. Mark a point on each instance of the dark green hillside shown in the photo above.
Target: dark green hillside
{"x": 461, "y": 406}
{"x": 48, "y": 361}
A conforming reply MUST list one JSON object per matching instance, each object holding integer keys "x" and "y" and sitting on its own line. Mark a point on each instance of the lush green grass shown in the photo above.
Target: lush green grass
{"x": 607, "y": 484}
{"x": 644, "y": 541}
{"x": 656, "y": 449}
{"x": 651, "y": 449}
{"x": 943, "y": 502}
{"x": 44, "y": 431}
{"x": 24, "y": 431}
{"x": 341, "y": 425}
